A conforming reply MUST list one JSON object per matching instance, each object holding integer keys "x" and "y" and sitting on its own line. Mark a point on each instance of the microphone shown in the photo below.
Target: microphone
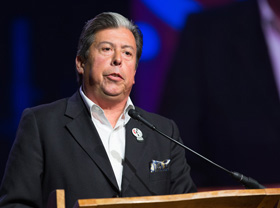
{"x": 247, "y": 182}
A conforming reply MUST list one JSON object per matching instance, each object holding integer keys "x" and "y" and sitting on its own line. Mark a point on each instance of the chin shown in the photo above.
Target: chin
{"x": 117, "y": 93}
{"x": 113, "y": 95}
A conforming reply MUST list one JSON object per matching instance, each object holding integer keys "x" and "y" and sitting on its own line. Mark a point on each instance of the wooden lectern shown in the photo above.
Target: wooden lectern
{"x": 253, "y": 198}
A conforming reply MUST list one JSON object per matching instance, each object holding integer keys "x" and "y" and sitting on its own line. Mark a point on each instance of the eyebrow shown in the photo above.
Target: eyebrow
{"x": 112, "y": 44}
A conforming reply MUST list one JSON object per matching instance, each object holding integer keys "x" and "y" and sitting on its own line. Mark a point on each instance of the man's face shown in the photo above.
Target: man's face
{"x": 109, "y": 71}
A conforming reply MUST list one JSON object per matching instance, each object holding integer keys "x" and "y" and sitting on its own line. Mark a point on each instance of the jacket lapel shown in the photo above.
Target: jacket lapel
{"x": 134, "y": 151}
{"x": 86, "y": 135}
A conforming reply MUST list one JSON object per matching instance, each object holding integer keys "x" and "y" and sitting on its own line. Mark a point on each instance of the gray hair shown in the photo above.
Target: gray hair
{"x": 103, "y": 21}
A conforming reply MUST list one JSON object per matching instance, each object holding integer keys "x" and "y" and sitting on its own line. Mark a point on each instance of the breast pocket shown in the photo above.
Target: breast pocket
{"x": 160, "y": 182}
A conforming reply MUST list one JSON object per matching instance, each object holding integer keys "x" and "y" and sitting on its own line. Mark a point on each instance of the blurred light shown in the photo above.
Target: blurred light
{"x": 21, "y": 66}
{"x": 173, "y": 12}
{"x": 151, "y": 41}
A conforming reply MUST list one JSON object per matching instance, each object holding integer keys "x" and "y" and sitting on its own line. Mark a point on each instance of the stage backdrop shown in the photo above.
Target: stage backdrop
{"x": 38, "y": 46}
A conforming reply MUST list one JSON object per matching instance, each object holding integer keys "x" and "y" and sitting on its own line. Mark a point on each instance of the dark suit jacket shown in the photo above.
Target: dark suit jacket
{"x": 223, "y": 94}
{"x": 58, "y": 147}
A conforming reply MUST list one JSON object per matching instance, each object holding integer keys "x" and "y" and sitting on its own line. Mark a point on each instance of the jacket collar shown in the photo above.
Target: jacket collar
{"x": 85, "y": 133}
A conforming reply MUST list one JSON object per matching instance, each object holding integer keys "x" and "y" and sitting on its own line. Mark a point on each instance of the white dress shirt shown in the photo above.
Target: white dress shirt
{"x": 271, "y": 29}
{"x": 113, "y": 139}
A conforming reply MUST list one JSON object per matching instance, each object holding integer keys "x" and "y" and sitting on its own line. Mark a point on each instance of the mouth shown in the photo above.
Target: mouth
{"x": 115, "y": 76}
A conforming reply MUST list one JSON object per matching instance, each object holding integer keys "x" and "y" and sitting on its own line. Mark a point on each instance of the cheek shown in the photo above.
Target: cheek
{"x": 132, "y": 72}
{"x": 97, "y": 60}
{"x": 100, "y": 60}
{"x": 132, "y": 76}
{"x": 97, "y": 66}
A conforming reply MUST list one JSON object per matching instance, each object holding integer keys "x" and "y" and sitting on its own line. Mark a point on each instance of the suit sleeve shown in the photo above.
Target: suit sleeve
{"x": 21, "y": 185}
{"x": 181, "y": 181}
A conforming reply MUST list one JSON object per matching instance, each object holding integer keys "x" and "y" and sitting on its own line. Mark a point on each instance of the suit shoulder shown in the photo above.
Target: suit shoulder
{"x": 52, "y": 105}
{"x": 48, "y": 108}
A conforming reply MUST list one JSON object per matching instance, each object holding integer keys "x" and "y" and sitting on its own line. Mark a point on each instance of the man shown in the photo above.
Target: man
{"x": 225, "y": 74}
{"x": 87, "y": 144}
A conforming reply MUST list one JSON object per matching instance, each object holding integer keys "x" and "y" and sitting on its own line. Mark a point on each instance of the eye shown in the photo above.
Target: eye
{"x": 128, "y": 53}
{"x": 105, "y": 49}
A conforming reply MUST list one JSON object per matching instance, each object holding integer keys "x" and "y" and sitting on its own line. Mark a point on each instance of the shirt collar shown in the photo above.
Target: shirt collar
{"x": 96, "y": 110}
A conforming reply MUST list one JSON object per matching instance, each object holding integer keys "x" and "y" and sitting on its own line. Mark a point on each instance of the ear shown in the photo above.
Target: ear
{"x": 80, "y": 65}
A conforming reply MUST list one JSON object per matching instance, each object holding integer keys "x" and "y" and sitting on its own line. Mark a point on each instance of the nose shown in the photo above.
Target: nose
{"x": 117, "y": 59}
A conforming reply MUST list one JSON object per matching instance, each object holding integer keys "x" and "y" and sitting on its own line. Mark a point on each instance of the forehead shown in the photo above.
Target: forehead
{"x": 122, "y": 36}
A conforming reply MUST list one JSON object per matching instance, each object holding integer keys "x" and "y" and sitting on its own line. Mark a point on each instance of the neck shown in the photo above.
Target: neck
{"x": 113, "y": 114}
{"x": 112, "y": 108}
{"x": 113, "y": 111}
